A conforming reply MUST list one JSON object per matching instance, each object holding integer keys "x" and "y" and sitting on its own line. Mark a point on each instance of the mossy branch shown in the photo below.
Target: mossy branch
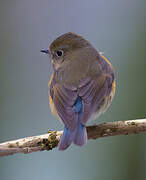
{"x": 50, "y": 140}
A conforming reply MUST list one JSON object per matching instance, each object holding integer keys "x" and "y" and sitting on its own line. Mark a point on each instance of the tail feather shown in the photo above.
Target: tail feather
{"x": 66, "y": 139}
{"x": 78, "y": 137}
{"x": 81, "y": 135}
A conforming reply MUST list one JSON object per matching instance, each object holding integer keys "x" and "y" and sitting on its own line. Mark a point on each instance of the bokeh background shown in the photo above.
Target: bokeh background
{"x": 117, "y": 28}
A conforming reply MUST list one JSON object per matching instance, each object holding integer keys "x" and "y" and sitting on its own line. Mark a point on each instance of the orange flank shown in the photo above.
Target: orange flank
{"x": 106, "y": 60}
{"x": 51, "y": 79}
{"x": 52, "y": 107}
{"x": 113, "y": 86}
{"x": 114, "y": 82}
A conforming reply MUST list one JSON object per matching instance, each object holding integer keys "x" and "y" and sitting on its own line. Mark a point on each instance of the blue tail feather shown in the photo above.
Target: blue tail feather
{"x": 79, "y": 135}
{"x": 66, "y": 139}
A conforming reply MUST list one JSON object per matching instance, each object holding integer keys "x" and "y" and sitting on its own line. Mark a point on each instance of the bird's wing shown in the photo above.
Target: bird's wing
{"x": 93, "y": 92}
{"x": 63, "y": 99}
{"x": 92, "y": 95}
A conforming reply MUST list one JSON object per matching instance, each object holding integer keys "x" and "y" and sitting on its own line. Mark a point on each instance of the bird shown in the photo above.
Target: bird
{"x": 81, "y": 87}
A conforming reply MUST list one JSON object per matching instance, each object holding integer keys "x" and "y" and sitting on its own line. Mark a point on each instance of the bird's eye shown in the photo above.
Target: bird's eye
{"x": 59, "y": 53}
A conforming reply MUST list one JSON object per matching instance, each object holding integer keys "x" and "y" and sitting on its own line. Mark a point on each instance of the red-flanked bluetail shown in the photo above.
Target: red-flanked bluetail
{"x": 81, "y": 88}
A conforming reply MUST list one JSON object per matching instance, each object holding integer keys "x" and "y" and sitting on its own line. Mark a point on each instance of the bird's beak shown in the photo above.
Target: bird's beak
{"x": 46, "y": 51}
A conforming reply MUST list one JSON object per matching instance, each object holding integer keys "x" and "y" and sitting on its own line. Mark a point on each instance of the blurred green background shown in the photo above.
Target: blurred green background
{"x": 117, "y": 28}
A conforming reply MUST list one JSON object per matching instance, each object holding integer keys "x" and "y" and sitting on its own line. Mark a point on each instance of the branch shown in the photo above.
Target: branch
{"x": 50, "y": 140}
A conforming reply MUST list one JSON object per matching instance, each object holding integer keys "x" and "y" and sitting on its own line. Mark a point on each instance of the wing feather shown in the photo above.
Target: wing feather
{"x": 64, "y": 100}
{"x": 92, "y": 92}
